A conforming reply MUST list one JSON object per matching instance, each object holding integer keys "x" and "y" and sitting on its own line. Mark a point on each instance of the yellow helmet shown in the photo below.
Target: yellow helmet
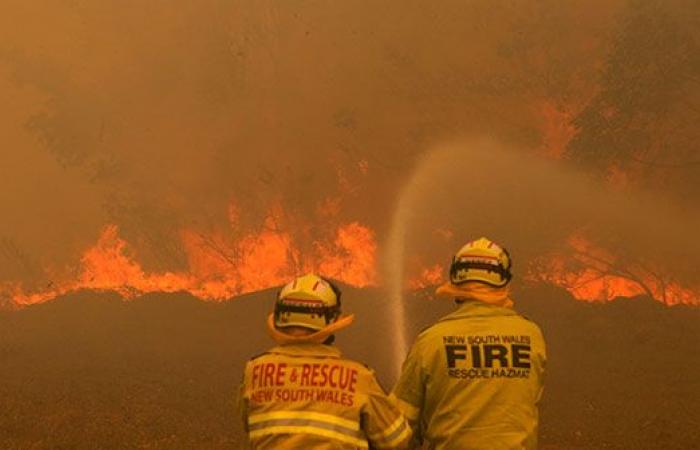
{"x": 482, "y": 261}
{"x": 308, "y": 301}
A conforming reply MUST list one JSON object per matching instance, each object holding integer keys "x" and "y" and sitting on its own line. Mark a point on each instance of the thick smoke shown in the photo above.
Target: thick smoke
{"x": 156, "y": 116}
{"x": 471, "y": 188}
{"x": 480, "y": 188}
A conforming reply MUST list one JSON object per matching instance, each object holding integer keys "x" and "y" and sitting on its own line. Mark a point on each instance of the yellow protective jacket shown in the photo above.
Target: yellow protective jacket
{"x": 306, "y": 396}
{"x": 472, "y": 381}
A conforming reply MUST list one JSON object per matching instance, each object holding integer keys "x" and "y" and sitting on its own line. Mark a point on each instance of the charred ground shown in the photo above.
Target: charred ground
{"x": 92, "y": 371}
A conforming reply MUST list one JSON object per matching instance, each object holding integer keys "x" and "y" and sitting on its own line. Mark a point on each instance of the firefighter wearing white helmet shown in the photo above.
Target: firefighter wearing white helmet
{"x": 472, "y": 381}
{"x": 302, "y": 394}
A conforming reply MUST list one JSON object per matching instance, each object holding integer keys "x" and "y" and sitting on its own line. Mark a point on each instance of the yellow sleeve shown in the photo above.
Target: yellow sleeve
{"x": 383, "y": 423}
{"x": 542, "y": 365}
{"x": 242, "y": 402}
{"x": 409, "y": 391}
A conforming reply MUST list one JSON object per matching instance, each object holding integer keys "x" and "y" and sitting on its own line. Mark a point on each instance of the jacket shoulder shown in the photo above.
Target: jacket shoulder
{"x": 258, "y": 356}
{"x": 528, "y": 320}
{"x": 431, "y": 329}
{"x": 525, "y": 316}
{"x": 356, "y": 364}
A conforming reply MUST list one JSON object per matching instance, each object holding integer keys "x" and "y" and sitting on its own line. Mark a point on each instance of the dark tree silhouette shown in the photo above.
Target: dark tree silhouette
{"x": 644, "y": 119}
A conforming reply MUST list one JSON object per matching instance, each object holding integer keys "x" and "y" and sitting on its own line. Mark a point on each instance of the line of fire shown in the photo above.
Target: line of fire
{"x": 167, "y": 168}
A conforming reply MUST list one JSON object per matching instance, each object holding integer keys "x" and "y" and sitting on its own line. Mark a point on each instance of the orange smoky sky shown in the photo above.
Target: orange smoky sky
{"x": 158, "y": 117}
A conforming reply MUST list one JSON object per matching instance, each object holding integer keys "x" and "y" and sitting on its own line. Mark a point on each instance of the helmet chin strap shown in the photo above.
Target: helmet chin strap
{"x": 317, "y": 337}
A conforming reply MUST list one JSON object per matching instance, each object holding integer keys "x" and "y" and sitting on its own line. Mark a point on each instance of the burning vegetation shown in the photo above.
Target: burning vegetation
{"x": 593, "y": 274}
{"x": 313, "y": 119}
{"x": 219, "y": 267}
{"x": 182, "y": 156}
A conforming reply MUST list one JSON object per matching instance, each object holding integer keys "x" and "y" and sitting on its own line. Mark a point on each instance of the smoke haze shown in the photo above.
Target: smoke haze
{"x": 179, "y": 150}
{"x": 476, "y": 187}
{"x": 211, "y": 115}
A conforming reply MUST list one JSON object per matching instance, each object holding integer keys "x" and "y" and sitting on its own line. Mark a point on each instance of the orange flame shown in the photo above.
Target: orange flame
{"x": 351, "y": 257}
{"x": 218, "y": 267}
{"x": 557, "y": 128}
{"x": 427, "y": 277}
{"x": 591, "y": 273}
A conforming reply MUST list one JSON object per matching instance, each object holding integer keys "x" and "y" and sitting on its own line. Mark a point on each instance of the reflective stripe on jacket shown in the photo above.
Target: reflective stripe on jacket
{"x": 308, "y": 396}
{"x": 473, "y": 380}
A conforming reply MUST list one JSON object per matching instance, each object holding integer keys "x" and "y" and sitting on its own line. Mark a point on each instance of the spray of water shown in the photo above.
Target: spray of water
{"x": 403, "y": 216}
{"x": 479, "y": 187}
{"x": 395, "y": 272}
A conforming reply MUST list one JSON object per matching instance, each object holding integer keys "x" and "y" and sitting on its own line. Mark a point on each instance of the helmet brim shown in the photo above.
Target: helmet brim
{"x": 316, "y": 337}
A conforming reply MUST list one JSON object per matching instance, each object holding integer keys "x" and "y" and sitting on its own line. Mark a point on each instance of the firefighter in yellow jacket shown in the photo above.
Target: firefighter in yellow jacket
{"x": 472, "y": 381}
{"x": 303, "y": 394}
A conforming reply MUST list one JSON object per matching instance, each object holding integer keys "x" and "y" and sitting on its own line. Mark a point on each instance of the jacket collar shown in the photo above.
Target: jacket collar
{"x": 475, "y": 308}
{"x": 310, "y": 349}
